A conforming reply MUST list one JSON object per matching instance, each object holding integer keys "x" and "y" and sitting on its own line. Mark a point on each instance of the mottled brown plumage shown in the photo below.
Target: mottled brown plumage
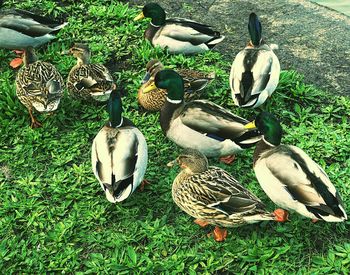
{"x": 214, "y": 196}
{"x": 39, "y": 86}
{"x": 88, "y": 81}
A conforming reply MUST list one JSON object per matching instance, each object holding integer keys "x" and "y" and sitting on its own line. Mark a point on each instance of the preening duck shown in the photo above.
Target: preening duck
{"x": 213, "y": 196}
{"x": 119, "y": 154}
{"x": 255, "y": 70}
{"x": 39, "y": 86}
{"x": 86, "y": 80}
{"x": 178, "y": 35}
{"x": 153, "y": 100}
{"x": 291, "y": 178}
{"x": 20, "y": 29}
{"x": 200, "y": 124}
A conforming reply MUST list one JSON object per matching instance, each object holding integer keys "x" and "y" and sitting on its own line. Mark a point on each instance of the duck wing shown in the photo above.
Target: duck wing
{"x": 217, "y": 191}
{"x": 29, "y": 23}
{"x": 216, "y": 122}
{"x": 189, "y": 31}
{"x": 195, "y": 81}
{"x": 305, "y": 181}
{"x": 92, "y": 76}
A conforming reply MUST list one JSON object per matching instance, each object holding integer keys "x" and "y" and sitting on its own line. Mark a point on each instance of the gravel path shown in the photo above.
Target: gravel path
{"x": 312, "y": 39}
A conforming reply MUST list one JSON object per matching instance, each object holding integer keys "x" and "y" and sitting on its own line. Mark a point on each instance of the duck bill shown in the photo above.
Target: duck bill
{"x": 250, "y": 125}
{"x": 139, "y": 17}
{"x": 150, "y": 88}
{"x": 146, "y": 78}
{"x": 65, "y": 52}
{"x": 172, "y": 163}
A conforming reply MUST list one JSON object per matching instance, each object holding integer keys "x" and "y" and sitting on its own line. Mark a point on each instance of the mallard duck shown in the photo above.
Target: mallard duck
{"x": 213, "y": 196}
{"x": 255, "y": 71}
{"x": 178, "y": 35}
{"x": 119, "y": 154}
{"x": 291, "y": 178}
{"x": 86, "y": 80}
{"x": 39, "y": 86}
{"x": 200, "y": 124}
{"x": 153, "y": 100}
{"x": 20, "y": 29}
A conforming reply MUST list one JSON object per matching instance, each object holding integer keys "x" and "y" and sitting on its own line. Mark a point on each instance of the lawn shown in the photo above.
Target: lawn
{"x": 55, "y": 217}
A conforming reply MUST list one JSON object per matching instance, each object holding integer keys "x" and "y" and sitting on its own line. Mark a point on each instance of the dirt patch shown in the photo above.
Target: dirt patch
{"x": 312, "y": 39}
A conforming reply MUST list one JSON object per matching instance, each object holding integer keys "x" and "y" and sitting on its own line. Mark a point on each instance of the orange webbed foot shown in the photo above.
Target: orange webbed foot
{"x": 15, "y": 63}
{"x": 228, "y": 159}
{"x": 200, "y": 222}
{"x": 219, "y": 234}
{"x": 281, "y": 215}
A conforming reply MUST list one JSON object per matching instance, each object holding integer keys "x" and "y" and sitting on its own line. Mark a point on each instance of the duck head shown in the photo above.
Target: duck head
{"x": 254, "y": 27}
{"x": 269, "y": 126}
{"x": 153, "y": 11}
{"x": 171, "y": 81}
{"x": 152, "y": 68}
{"x": 191, "y": 161}
{"x": 29, "y": 56}
{"x": 81, "y": 52}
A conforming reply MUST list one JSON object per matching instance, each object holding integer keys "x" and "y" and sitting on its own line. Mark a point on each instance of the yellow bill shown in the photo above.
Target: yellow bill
{"x": 139, "y": 17}
{"x": 149, "y": 88}
{"x": 172, "y": 163}
{"x": 250, "y": 125}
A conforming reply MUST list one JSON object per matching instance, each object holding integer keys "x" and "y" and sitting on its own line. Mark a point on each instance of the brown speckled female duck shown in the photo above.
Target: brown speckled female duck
{"x": 88, "y": 81}
{"x": 39, "y": 86}
{"x": 213, "y": 196}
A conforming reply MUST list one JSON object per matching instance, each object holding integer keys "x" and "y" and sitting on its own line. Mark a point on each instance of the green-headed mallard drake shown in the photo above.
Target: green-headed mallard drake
{"x": 20, "y": 29}
{"x": 153, "y": 100}
{"x": 200, "y": 124}
{"x": 178, "y": 35}
{"x": 119, "y": 154}
{"x": 213, "y": 196}
{"x": 86, "y": 80}
{"x": 255, "y": 71}
{"x": 291, "y": 178}
{"x": 39, "y": 86}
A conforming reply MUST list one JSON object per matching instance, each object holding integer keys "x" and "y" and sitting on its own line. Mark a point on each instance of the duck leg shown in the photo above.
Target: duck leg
{"x": 219, "y": 234}
{"x": 227, "y": 159}
{"x": 200, "y": 222}
{"x": 281, "y": 215}
{"x": 143, "y": 184}
{"x": 15, "y": 63}
{"x": 35, "y": 123}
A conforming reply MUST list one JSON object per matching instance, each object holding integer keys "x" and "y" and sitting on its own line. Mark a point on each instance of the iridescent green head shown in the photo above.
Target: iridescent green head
{"x": 172, "y": 82}
{"x": 254, "y": 27}
{"x": 115, "y": 109}
{"x": 153, "y": 11}
{"x": 269, "y": 126}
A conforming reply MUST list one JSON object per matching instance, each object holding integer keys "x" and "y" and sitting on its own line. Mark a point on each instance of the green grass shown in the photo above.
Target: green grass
{"x": 54, "y": 215}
